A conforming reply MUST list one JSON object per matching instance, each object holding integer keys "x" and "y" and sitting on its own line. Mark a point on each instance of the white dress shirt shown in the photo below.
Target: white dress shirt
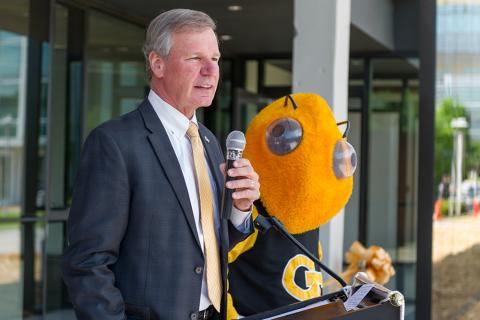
{"x": 176, "y": 125}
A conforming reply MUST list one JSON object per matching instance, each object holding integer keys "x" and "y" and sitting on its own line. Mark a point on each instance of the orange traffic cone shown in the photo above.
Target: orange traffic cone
{"x": 437, "y": 212}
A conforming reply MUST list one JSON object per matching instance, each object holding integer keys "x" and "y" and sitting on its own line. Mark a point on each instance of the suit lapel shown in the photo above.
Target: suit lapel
{"x": 166, "y": 155}
{"x": 213, "y": 161}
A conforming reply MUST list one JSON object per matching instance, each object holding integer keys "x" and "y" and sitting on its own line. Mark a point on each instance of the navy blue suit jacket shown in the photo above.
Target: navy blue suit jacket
{"x": 133, "y": 247}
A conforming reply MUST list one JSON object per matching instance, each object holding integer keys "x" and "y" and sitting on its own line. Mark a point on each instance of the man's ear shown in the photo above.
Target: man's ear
{"x": 157, "y": 64}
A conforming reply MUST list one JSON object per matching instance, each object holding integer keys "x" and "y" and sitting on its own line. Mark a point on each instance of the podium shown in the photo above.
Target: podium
{"x": 364, "y": 299}
{"x": 378, "y": 304}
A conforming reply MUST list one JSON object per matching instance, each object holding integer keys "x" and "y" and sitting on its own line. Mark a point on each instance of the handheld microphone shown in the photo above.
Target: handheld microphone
{"x": 235, "y": 146}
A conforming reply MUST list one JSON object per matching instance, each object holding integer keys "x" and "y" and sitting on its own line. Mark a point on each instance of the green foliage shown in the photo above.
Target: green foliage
{"x": 10, "y": 214}
{"x": 448, "y": 110}
{"x": 444, "y": 208}
{"x": 472, "y": 160}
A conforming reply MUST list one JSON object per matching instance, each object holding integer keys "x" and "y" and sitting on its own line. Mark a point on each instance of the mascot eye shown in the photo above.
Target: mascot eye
{"x": 284, "y": 135}
{"x": 344, "y": 159}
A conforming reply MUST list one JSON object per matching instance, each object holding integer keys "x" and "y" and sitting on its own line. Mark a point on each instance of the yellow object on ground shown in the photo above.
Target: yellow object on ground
{"x": 375, "y": 261}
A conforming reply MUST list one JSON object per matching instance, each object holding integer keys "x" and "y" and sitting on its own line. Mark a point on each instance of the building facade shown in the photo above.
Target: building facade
{"x": 458, "y": 57}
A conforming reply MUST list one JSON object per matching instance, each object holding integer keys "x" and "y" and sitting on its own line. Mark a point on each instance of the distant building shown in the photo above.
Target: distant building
{"x": 458, "y": 56}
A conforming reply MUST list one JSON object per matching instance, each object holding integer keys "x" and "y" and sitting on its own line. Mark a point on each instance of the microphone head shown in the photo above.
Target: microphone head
{"x": 236, "y": 141}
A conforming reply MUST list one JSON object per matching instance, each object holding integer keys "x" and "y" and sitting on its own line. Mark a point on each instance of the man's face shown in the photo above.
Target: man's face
{"x": 189, "y": 76}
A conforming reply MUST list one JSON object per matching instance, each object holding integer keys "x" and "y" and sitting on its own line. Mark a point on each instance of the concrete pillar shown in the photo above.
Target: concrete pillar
{"x": 320, "y": 65}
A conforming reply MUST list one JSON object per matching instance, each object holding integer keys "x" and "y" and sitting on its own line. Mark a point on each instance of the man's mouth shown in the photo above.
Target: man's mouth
{"x": 204, "y": 86}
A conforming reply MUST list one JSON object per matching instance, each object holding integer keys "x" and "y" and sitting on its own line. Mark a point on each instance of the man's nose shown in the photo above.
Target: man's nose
{"x": 210, "y": 68}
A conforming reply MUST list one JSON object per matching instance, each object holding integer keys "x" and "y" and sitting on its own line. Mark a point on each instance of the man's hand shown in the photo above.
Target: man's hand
{"x": 246, "y": 185}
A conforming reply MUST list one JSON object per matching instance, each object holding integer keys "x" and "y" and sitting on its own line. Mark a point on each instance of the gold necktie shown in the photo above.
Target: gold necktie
{"x": 212, "y": 253}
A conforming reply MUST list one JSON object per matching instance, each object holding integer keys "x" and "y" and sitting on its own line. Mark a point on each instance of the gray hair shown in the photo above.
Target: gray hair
{"x": 161, "y": 29}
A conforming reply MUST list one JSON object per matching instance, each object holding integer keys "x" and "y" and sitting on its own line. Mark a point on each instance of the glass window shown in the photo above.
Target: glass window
{"x": 13, "y": 61}
{"x": 392, "y": 198}
{"x": 115, "y": 82}
{"x": 392, "y": 169}
{"x": 218, "y": 116}
{"x": 278, "y": 73}
{"x": 251, "y": 76}
{"x": 9, "y": 109}
{"x": 13, "y": 64}
{"x": 10, "y": 266}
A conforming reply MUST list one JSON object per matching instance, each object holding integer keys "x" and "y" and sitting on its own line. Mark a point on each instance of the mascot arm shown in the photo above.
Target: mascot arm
{"x": 233, "y": 254}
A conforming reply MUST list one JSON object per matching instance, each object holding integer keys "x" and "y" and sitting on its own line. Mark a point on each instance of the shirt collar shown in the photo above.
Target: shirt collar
{"x": 172, "y": 119}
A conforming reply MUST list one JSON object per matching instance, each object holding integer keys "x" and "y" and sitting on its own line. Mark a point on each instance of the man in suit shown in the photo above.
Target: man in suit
{"x": 144, "y": 221}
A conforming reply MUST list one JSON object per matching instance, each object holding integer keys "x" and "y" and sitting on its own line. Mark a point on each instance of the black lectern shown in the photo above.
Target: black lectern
{"x": 379, "y": 304}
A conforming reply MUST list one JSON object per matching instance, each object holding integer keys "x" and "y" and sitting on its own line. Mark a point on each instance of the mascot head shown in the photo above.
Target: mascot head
{"x": 304, "y": 162}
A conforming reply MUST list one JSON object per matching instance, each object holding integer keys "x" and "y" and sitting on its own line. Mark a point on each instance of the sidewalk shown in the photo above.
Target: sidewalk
{"x": 454, "y": 235}
{"x": 456, "y": 262}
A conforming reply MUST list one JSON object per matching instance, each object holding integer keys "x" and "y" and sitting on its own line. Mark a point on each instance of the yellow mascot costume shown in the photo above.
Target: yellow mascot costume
{"x": 305, "y": 167}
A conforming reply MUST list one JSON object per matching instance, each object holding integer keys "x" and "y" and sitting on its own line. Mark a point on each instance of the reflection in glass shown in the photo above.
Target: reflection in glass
{"x": 12, "y": 263}
{"x": 278, "y": 73}
{"x": 57, "y": 301}
{"x": 217, "y": 117}
{"x": 391, "y": 213}
{"x": 13, "y": 64}
{"x": 251, "y": 76}
{"x": 393, "y": 169}
{"x": 344, "y": 160}
{"x": 352, "y": 210}
{"x": 64, "y": 122}
{"x": 10, "y": 266}
{"x": 42, "y": 134}
{"x": 59, "y": 109}
{"x": 115, "y": 69}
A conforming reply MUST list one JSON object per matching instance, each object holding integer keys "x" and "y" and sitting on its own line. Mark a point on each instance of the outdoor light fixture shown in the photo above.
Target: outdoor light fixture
{"x": 225, "y": 37}
{"x": 235, "y": 8}
{"x": 458, "y": 125}
{"x": 356, "y": 62}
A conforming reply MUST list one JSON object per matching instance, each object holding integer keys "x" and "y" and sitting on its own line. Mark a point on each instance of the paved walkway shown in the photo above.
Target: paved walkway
{"x": 456, "y": 265}
{"x": 10, "y": 241}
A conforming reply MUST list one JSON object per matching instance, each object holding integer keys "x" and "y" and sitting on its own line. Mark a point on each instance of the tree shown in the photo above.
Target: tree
{"x": 448, "y": 110}
{"x": 472, "y": 160}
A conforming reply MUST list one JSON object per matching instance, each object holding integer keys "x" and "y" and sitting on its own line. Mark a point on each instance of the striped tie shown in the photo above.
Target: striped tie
{"x": 212, "y": 253}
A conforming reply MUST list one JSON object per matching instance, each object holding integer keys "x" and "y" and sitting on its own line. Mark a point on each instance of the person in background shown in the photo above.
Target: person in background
{"x": 444, "y": 188}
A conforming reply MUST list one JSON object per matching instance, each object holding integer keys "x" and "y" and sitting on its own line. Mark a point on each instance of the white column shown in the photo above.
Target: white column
{"x": 458, "y": 175}
{"x": 320, "y": 65}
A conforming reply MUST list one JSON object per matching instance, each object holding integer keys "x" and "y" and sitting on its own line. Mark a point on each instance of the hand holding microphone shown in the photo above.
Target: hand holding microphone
{"x": 241, "y": 182}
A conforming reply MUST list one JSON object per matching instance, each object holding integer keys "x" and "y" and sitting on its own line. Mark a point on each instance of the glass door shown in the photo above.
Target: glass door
{"x": 115, "y": 69}
{"x": 21, "y": 196}
{"x": 383, "y": 110}
{"x": 97, "y": 73}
